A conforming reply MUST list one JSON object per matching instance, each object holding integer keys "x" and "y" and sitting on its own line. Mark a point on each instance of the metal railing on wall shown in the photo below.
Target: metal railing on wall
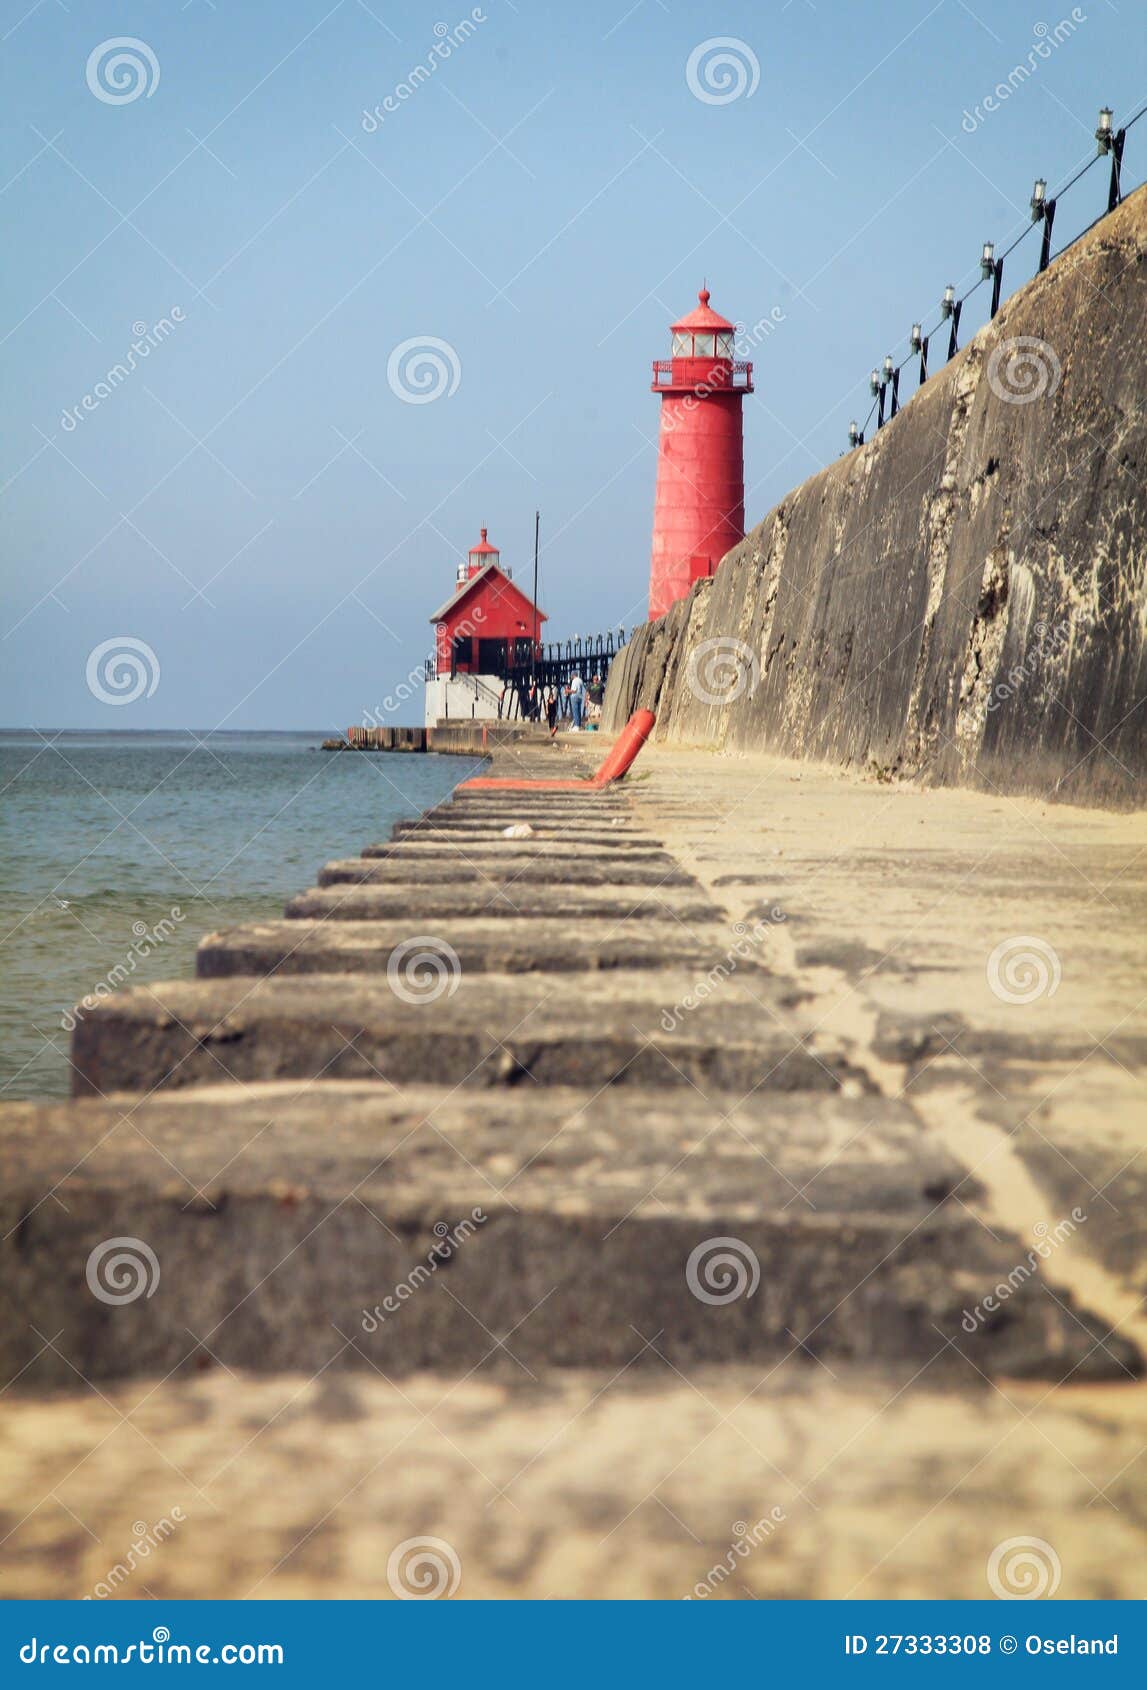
{"x": 884, "y": 382}
{"x": 588, "y": 654}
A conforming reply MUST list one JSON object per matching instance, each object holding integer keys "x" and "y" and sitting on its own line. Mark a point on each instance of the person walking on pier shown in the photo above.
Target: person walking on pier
{"x": 577, "y": 700}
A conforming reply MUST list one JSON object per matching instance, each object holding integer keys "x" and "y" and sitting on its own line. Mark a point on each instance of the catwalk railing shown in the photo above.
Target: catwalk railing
{"x": 550, "y": 664}
{"x": 884, "y": 382}
{"x": 558, "y": 660}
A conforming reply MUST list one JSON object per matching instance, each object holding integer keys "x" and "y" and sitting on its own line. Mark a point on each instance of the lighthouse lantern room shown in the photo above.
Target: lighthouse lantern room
{"x": 699, "y": 510}
{"x": 477, "y": 559}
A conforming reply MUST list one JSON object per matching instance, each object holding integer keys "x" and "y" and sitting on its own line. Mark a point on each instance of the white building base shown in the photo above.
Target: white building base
{"x": 465, "y": 698}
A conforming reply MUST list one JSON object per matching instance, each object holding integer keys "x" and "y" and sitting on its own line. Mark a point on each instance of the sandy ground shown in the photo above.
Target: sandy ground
{"x": 1005, "y": 934}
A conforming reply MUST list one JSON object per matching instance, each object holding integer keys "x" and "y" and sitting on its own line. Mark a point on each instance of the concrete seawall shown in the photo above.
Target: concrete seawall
{"x": 462, "y": 739}
{"x": 962, "y": 598}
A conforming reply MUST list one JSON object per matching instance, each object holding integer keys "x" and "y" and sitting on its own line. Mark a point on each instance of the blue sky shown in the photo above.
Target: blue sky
{"x": 255, "y": 503}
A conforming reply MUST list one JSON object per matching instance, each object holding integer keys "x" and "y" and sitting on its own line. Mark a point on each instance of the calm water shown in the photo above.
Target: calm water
{"x": 122, "y": 848}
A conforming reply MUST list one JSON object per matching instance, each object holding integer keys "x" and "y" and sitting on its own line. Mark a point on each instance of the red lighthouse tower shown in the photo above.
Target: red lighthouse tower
{"x": 699, "y": 512}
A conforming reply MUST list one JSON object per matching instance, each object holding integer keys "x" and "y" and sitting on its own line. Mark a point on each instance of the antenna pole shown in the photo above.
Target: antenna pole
{"x": 534, "y": 652}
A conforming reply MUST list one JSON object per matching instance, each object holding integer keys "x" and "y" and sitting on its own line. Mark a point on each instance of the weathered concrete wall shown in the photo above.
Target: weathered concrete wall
{"x": 963, "y": 597}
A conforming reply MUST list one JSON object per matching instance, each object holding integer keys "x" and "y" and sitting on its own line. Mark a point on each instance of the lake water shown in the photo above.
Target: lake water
{"x": 124, "y": 849}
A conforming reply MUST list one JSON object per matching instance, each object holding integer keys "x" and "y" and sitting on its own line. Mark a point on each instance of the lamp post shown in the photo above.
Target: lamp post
{"x": 855, "y": 437}
{"x": 992, "y": 269}
{"x": 1043, "y": 210}
{"x": 950, "y": 307}
{"x": 892, "y": 379}
{"x": 876, "y": 388}
{"x": 918, "y": 342}
{"x": 1111, "y": 141}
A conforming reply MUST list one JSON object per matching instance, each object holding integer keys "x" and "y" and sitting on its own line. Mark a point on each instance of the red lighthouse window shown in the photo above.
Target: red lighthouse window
{"x": 703, "y": 346}
{"x": 724, "y": 345}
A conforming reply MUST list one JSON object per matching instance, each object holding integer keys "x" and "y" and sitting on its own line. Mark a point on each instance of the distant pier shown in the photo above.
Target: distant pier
{"x": 464, "y": 739}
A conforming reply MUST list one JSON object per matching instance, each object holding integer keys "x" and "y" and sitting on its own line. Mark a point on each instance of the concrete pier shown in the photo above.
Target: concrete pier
{"x": 463, "y": 739}
{"x": 581, "y": 1198}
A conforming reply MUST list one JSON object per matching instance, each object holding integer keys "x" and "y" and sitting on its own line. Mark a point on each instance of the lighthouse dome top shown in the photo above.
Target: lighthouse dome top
{"x": 479, "y": 557}
{"x": 702, "y": 318}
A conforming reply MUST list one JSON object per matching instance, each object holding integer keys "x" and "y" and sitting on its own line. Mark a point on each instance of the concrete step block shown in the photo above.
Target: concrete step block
{"x": 468, "y": 896}
{"x": 284, "y": 1227}
{"x": 570, "y": 869}
{"x": 499, "y": 945}
{"x": 429, "y": 1020}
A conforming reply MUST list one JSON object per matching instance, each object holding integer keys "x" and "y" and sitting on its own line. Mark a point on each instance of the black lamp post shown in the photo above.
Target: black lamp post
{"x": 951, "y": 307}
{"x": 1111, "y": 141}
{"x": 918, "y": 342}
{"x": 1043, "y": 210}
{"x": 992, "y": 269}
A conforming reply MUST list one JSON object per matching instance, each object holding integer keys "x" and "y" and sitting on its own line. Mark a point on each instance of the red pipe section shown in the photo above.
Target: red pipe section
{"x": 617, "y": 761}
{"x": 625, "y": 748}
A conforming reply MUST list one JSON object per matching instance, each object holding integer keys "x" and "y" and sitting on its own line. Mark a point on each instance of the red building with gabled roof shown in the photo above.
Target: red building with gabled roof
{"x": 487, "y": 623}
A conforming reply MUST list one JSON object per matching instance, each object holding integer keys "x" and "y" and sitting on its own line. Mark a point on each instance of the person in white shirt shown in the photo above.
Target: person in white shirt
{"x": 577, "y": 700}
